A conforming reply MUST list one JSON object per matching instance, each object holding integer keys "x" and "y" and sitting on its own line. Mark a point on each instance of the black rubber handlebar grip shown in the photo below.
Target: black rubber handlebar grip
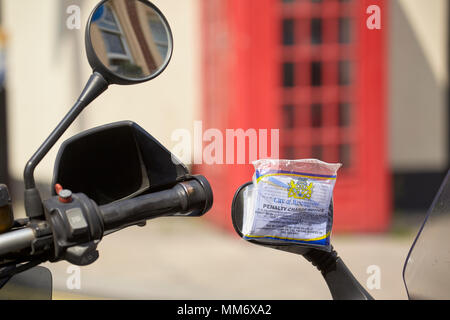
{"x": 188, "y": 198}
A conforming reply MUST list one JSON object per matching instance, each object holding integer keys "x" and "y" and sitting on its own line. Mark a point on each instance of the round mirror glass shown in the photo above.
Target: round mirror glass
{"x": 130, "y": 38}
{"x": 242, "y": 212}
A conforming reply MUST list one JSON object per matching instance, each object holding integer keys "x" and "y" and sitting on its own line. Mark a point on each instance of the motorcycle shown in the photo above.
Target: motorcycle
{"x": 118, "y": 175}
{"x": 426, "y": 270}
{"x": 107, "y": 178}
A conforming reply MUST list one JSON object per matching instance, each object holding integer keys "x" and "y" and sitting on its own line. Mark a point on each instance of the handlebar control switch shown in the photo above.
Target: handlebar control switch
{"x": 82, "y": 255}
{"x": 64, "y": 195}
{"x": 76, "y": 227}
{"x": 77, "y": 222}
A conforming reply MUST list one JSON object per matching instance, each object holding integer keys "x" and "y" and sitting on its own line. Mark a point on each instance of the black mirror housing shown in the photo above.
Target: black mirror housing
{"x": 140, "y": 44}
{"x": 115, "y": 162}
{"x": 341, "y": 282}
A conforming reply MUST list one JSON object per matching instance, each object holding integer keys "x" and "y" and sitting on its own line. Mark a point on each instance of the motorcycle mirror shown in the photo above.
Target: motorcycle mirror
{"x": 128, "y": 41}
{"x": 115, "y": 162}
{"x": 341, "y": 282}
{"x": 239, "y": 212}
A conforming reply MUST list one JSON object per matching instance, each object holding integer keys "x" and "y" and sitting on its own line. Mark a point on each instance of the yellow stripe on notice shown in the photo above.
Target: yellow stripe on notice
{"x": 283, "y": 238}
{"x": 294, "y": 175}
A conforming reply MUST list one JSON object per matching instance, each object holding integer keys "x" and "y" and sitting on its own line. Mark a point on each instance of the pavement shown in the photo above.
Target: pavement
{"x": 190, "y": 258}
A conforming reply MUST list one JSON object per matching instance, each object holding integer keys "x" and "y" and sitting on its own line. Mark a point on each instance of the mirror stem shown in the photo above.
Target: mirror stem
{"x": 341, "y": 282}
{"x": 95, "y": 86}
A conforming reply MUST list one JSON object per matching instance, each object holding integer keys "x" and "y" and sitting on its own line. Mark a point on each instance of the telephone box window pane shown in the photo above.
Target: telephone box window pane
{"x": 289, "y": 116}
{"x": 345, "y": 30}
{"x": 289, "y": 152}
{"x": 344, "y": 73}
{"x": 288, "y": 74}
{"x": 316, "y": 74}
{"x": 316, "y": 115}
{"x": 345, "y": 155}
{"x": 288, "y": 32}
{"x": 344, "y": 114}
{"x": 316, "y": 31}
{"x": 317, "y": 152}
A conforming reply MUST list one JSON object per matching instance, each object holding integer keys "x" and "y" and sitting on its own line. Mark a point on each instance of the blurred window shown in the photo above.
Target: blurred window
{"x": 345, "y": 30}
{"x": 288, "y": 35}
{"x": 316, "y": 115}
{"x": 108, "y": 20}
{"x": 316, "y": 31}
{"x": 290, "y": 152}
{"x": 345, "y": 116}
{"x": 288, "y": 74}
{"x": 317, "y": 151}
{"x": 289, "y": 116}
{"x": 316, "y": 73}
{"x": 116, "y": 45}
{"x": 345, "y": 73}
{"x": 159, "y": 34}
{"x": 345, "y": 154}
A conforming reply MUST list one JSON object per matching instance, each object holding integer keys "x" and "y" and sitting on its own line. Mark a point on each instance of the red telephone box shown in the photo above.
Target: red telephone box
{"x": 316, "y": 71}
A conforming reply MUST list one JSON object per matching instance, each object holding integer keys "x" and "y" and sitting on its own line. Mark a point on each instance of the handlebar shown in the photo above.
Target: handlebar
{"x": 16, "y": 240}
{"x": 68, "y": 229}
{"x": 188, "y": 198}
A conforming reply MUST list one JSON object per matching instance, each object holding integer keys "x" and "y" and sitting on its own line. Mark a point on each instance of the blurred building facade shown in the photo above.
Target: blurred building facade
{"x": 375, "y": 100}
{"x": 47, "y": 69}
{"x": 419, "y": 113}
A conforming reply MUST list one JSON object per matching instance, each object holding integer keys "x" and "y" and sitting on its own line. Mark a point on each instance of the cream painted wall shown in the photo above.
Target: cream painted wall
{"x": 428, "y": 19}
{"x": 42, "y": 86}
{"x": 42, "y": 83}
{"x": 418, "y": 85}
